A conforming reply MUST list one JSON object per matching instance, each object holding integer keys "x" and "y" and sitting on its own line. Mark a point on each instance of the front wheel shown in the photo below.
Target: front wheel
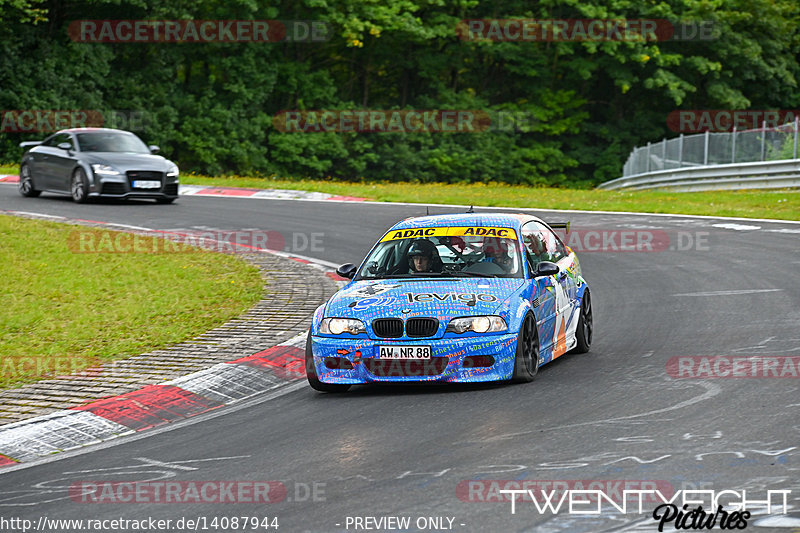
{"x": 79, "y": 188}
{"x": 585, "y": 325}
{"x": 311, "y": 373}
{"x": 26, "y": 187}
{"x": 526, "y": 360}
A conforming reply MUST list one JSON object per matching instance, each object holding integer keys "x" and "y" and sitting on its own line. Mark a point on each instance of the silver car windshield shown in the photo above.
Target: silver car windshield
{"x": 444, "y": 256}
{"x": 111, "y": 142}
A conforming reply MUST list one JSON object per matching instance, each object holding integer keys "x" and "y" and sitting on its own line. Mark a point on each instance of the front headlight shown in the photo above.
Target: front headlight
{"x": 478, "y": 324}
{"x": 337, "y": 326}
{"x": 172, "y": 172}
{"x": 105, "y": 170}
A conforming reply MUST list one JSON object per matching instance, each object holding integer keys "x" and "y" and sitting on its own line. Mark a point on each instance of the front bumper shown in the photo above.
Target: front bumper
{"x": 453, "y": 360}
{"x": 121, "y": 187}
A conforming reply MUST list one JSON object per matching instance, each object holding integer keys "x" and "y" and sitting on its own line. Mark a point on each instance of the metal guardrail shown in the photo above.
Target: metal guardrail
{"x": 763, "y": 158}
{"x": 784, "y": 174}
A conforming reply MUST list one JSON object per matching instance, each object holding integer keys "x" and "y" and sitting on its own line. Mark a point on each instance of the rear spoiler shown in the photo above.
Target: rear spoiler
{"x": 559, "y": 225}
{"x": 29, "y": 144}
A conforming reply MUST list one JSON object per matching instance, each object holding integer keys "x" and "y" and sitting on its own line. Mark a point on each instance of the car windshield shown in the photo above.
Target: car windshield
{"x": 111, "y": 141}
{"x": 445, "y": 252}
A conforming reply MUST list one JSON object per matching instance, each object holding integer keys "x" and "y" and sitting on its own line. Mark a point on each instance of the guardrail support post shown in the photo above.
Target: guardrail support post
{"x": 664, "y": 154}
{"x": 705, "y": 148}
{"x": 763, "y": 139}
{"x": 648, "y": 156}
{"x": 796, "y": 127}
{"x": 733, "y": 145}
{"x": 680, "y": 151}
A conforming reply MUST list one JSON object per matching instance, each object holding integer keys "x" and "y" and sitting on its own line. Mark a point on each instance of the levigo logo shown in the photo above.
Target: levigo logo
{"x": 462, "y": 297}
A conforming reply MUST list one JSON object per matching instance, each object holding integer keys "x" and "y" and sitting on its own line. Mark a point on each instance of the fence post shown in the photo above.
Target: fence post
{"x": 733, "y": 145}
{"x": 664, "y": 154}
{"x": 705, "y": 148}
{"x": 763, "y": 140}
{"x": 796, "y": 127}
{"x": 648, "y": 156}
{"x": 680, "y": 151}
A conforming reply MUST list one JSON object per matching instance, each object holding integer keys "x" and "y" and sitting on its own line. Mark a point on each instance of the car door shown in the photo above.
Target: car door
{"x": 546, "y": 289}
{"x": 62, "y": 162}
{"x": 566, "y": 292}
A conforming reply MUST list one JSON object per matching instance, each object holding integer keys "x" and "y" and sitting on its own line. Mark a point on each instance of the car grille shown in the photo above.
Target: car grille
{"x": 145, "y": 175}
{"x": 405, "y": 368}
{"x": 422, "y": 327}
{"x": 388, "y": 327}
{"x": 171, "y": 189}
{"x": 113, "y": 188}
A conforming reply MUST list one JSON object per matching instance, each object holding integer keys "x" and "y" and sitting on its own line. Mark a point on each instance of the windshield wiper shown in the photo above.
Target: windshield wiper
{"x": 473, "y": 274}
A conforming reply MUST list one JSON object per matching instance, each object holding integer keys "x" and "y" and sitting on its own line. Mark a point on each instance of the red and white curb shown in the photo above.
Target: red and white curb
{"x": 224, "y": 384}
{"x": 241, "y": 192}
{"x": 154, "y": 405}
{"x": 269, "y": 194}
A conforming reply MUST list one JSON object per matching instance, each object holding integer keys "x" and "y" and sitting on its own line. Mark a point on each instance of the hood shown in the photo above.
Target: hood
{"x": 441, "y": 298}
{"x": 125, "y": 161}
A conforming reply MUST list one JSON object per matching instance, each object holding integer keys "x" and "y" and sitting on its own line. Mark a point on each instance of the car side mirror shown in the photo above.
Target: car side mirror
{"x": 65, "y": 146}
{"x": 545, "y": 268}
{"x": 154, "y": 149}
{"x": 347, "y": 270}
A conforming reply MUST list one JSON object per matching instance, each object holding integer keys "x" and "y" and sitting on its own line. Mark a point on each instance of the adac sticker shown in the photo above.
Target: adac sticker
{"x": 455, "y": 231}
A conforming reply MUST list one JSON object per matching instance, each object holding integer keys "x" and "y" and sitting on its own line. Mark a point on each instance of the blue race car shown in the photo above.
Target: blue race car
{"x": 452, "y": 298}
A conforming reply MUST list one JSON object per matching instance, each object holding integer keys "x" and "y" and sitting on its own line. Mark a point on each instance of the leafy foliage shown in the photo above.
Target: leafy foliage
{"x": 579, "y": 107}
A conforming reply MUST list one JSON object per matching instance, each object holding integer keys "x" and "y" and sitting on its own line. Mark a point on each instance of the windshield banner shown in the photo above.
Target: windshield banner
{"x": 460, "y": 231}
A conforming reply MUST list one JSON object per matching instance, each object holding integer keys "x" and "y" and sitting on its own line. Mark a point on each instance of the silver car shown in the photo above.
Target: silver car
{"x": 97, "y": 162}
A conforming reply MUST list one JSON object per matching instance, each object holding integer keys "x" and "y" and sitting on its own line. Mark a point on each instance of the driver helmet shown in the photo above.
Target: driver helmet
{"x": 424, "y": 248}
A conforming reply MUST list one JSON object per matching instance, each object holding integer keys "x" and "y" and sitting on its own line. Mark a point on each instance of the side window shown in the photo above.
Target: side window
{"x": 59, "y": 138}
{"x": 541, "y": 244}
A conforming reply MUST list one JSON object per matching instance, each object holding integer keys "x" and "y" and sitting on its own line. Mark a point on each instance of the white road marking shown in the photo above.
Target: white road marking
{"x": 728, "y": 293}
{"x": 736, "y": 227}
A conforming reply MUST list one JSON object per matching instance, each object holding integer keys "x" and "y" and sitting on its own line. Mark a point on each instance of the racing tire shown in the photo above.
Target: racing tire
{"x": 311, "y": 373}
{"x": 526, "y": 360}
{"x": 583, "y": 334}
{"x": 26, "y": 186}
{"x": 78, "y": 187}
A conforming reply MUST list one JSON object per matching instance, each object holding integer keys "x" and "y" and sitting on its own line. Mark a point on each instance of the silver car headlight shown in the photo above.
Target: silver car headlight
{"x": 337, "y": 326}
{"x": 172, "y": 172}
{"x": 105, "y": 170}
{"x": 478, "y": 324}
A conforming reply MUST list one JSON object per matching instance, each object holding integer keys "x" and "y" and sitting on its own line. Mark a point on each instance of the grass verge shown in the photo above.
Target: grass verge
{"x": 65, "y": 311}
{"x": 749, "y": 204}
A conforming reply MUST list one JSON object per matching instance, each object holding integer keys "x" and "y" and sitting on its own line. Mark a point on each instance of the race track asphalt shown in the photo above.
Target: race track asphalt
{"x": 724, "y": 289}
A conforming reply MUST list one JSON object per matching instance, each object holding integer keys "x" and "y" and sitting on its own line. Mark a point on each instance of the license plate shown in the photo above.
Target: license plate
{"x": 146, "y": 184}
{"x": 404, "y": 352}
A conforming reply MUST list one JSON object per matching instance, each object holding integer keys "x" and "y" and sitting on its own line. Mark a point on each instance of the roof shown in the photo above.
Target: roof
{"x": 84, "y": 130}
{"x": 499, "y": 220}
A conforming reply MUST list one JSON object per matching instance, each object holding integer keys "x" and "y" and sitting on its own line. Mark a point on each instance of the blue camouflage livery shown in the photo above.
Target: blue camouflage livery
{"x": 502, "y": 289}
